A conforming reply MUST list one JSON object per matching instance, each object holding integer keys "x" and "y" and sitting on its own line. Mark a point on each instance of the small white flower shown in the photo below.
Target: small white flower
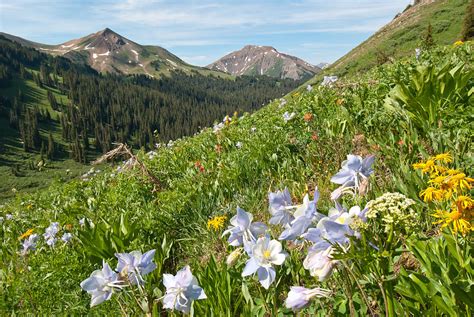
{"x": 328, "y": 81}
{"x": 288, "y": 116}
{"x": 239, "y": 145}
{"x": 66, "y": 237}
{"x": 417, "y": 53}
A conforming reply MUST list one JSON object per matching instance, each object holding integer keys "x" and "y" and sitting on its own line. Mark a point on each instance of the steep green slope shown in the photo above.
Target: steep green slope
{"x": 237, "y": 165}
{"x": 405, "y": 33}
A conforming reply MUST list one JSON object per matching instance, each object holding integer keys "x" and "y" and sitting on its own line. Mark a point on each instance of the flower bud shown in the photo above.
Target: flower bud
{"x": 234, "y": 256}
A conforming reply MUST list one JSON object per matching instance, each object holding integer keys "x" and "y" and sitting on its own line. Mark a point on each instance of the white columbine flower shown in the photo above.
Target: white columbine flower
{"x": 319, "y": 262}
{"x": 265, "y": 254}
{"x": 417, "y": 53}
{"x": 181, "y": 290}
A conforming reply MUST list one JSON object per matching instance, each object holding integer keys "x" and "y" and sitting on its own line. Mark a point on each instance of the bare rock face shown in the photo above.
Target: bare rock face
{"x": 264, "y": 60}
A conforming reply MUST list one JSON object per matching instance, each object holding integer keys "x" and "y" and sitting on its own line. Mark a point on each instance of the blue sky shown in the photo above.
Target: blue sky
{"x": 202, "y": 31}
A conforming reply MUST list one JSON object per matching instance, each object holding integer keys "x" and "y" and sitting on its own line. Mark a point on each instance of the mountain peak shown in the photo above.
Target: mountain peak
{"x": 108, "y": 32}
{"x": 259, "y": 47}
{"x": 264, "y": 60}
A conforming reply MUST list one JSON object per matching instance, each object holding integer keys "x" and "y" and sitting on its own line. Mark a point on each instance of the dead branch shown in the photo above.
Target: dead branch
{"x": 133, "y": 161}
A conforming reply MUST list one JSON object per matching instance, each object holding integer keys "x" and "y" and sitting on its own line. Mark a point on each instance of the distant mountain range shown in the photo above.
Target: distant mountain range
{"x": 107, "y": 51}
{"x": 264, "y": 60}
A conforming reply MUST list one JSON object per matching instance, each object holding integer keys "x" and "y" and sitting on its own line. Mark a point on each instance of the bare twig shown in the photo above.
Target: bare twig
{"x": 124, "y": 150}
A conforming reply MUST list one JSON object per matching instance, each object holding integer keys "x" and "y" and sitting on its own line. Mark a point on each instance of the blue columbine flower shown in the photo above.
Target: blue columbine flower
{"x": 242, "y": 231}
{"x": 102, "y": 284}
{"x": 280, "y": 208}
{"x": 305, "y": 215}
{"x": 50, "y": 234}
{"x": 288, "y": 116}
{"x": 66, "y": 237}
{"x": 181, "y": 290}
{"x": 319, "y": 262}
{"x": 331, "y": 230}
{"x": 135, "y": 265}
{"x": 29, "y": 244}
{"x": 265, "y": 253}
{"x": 299, "y": 297}
{"x": 354, "y": 170}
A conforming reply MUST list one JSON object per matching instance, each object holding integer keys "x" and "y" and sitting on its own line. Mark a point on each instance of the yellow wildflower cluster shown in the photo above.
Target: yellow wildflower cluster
{"x": 26, "y": 234}
{"x": 458, "y": 43}
{"x": 449, "y": 189}
{"x": 216, "y": 223}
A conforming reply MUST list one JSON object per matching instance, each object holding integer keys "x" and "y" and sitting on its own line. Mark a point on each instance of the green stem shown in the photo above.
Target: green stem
{"x": 348, "y": 286}
{"x": 364, "y": 295}
{"x": 264, "y": 299}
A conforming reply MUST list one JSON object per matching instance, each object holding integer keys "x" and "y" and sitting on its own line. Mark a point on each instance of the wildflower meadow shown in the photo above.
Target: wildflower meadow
{"x": 351, "y": 197}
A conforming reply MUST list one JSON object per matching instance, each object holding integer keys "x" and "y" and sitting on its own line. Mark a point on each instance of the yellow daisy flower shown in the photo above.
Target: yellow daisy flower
{"x": 216, "y": 223}
{"x": 444, "y": 157}
{"x": 431, "y": 193}
{"x": 454, "y": 219}
{"x": 26, "y": 234}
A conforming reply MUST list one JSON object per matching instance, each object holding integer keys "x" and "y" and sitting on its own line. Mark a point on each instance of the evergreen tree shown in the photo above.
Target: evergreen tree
{"x": 428, "y": 40}
{"x": 51, "y": 147}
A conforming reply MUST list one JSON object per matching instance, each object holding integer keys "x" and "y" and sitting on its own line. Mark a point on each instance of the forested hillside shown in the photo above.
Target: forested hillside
{"x": 57, "y": 110}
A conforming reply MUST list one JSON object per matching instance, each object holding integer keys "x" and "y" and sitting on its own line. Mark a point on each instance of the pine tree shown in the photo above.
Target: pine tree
{"x": 428, "y": 40}
{"x": 51, "y": 148}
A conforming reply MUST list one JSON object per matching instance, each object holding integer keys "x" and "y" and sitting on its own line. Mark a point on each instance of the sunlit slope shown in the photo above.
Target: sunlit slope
{"x": 401, "y": 36}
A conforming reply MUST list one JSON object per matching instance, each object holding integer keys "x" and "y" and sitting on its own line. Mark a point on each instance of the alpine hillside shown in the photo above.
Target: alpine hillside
{"x": 441, "y": 21}
{"x": 109, "y": 52}
{"x": 264, "y": 60}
